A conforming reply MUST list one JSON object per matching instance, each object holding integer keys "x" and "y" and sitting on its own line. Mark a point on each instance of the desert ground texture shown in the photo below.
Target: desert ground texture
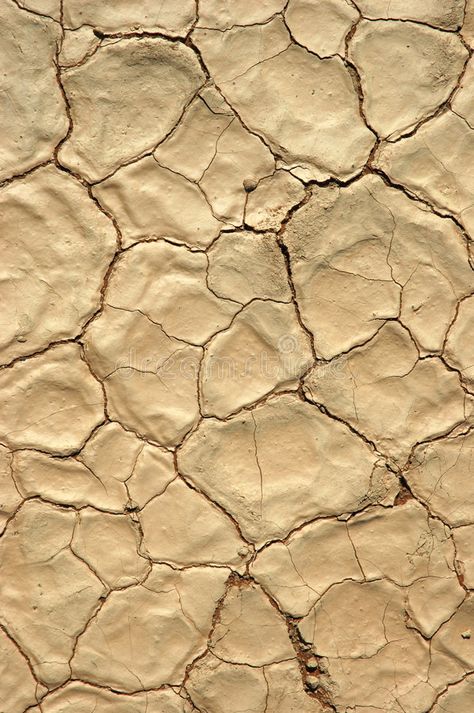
{"x": 236, "y": 356}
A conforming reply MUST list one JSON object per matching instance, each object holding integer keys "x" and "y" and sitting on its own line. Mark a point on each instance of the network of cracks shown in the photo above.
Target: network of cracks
{"x": 237, "y": 365}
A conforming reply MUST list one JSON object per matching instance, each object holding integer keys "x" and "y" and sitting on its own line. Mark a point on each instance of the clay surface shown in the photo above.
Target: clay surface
{"x": 237, "y": 356}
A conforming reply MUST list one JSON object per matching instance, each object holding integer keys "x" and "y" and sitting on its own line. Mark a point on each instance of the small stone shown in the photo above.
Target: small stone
{"x": 312, "y": 682}
{"x": 250, "y": 184}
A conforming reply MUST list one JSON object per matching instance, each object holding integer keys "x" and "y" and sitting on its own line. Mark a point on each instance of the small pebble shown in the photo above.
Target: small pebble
{"x": 250, "y": 184}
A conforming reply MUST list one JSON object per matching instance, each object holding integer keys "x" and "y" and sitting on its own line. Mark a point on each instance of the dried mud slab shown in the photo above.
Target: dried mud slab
{"x": 182, "y": 527}
{"x": 246, "y": 463}
{"x": 407, "y": 71}
{"x": 151, "y": 388}
{"x": 95, "y": 541}
{"x": 250, "y": 631}
{"x": 77, "y": 45}
{"x": 264, "y": 350}
{"x": 157, "y": 75}
{"x": 244, "y": 266}
{"x": 33, "y": 114}
{"x": 47, "y": 221}
{"x": 50, "y": 402}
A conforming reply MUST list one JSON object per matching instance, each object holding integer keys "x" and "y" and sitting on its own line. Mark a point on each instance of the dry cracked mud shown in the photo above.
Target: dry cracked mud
{"x": 236, "y": 356}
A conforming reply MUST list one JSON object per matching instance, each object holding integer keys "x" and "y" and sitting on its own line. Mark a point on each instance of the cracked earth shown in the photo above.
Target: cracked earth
{"x": 236, "y": 356}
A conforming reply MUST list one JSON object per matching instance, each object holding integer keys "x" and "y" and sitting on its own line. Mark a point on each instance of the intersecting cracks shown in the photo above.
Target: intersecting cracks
{"x": 198, "y": 186}
{"x": 80, "y": 332}
{"x": 216, "y": 148}
{"x": 313, "y": 675}
{"x": 257, "y": 64}
{"x": 24, "y": 656}
{"x": 187, "y": 481}
{"x": 150, "y": 151}
{"x": 341, "y": 517}
{"x": 303, "y": 653}
{"x": 440, "y": 109}
{"x": 211, "y": 501}
{"x": 306, "y": 395}
{"x": 405, "y": 492}
{"x": 439, "y": 27}
{"x": 35, "y": 12}
{"x": 389, "y": 183}
{"x": 422, "y": 202}
{"x": 260, "y": 136}
{"x": 410, "y": 494}
{"x": 86, "y": 57}
{"x": 448, "y": 687}
{"x": 348, "y": 64}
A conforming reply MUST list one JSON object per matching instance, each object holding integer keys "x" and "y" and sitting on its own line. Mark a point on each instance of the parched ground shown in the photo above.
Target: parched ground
{"x": 236, "y": 356}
